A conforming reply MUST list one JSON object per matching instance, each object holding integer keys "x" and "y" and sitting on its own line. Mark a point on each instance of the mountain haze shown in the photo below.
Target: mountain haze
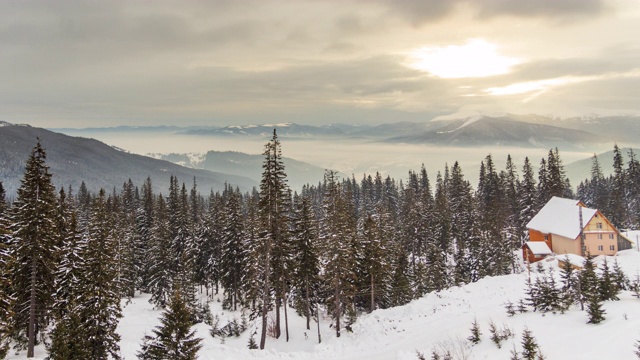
{"x": 75, "y": 159}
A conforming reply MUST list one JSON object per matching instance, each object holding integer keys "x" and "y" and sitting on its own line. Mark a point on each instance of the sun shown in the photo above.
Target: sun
{"x": 476, "y": 58}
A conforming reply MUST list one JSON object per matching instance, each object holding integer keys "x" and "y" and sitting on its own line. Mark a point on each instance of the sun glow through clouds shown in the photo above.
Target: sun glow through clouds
{"x": 476, "y": 58}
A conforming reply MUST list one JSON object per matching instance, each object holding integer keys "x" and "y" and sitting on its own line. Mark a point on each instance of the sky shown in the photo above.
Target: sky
{"x": 234, "y": 62}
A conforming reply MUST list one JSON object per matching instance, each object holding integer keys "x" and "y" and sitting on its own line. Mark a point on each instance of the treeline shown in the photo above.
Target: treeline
{"x": 618, "y": 195}
{"x": 343, "y": 246}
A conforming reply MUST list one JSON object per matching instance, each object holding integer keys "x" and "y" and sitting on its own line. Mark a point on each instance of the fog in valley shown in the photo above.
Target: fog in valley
{"x": 348, "y": 156}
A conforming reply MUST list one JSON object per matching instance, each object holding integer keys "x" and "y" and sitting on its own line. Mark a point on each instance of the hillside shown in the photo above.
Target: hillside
{"x": 580, "y": 170}
{"x": 74, "y": 159}
{"x": 437, "y": 321}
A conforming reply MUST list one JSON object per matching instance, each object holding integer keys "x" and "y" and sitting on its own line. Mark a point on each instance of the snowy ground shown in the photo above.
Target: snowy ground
{"x": 436, "y": 321}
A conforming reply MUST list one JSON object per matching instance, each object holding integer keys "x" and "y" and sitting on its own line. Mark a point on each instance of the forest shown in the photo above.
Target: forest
{"x": 345, "y": 246}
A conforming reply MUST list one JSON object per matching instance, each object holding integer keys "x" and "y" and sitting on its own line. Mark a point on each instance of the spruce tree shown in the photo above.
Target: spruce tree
{"x": 529, "y": 345}
{"x": 617, "y": 208}
{"x": 306, "y": 277}
{"x": 100, "y": 300}
{"x": 173, "y": 338}
{"x": 594, "y": 310}
{"x": 160, "y": 271}
{"x": 33, "y": 250}
{"x": 337, "y": 232}
{"x": 273, "y": 252}
{"x": 607, "y": 287}
{"x": 475, "y": 332}
{"x": 5, "y": 285}
{"x": 233, "y": 259}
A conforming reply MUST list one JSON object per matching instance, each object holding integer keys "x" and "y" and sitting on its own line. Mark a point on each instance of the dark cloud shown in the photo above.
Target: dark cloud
{"x": 420, "y": 12}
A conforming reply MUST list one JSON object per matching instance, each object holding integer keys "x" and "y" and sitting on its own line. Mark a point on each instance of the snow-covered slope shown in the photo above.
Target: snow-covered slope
{"x": 437, "y": 321}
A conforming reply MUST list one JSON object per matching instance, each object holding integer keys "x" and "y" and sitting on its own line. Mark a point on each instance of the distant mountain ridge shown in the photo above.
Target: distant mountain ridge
{"x": 75, "y": 159}
{"x": 298, "y": 173}
{"x": 482, "y": 130}
{"x": 464, "y": 129}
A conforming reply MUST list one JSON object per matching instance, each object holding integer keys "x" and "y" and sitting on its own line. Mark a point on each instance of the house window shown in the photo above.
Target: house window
{"x": 600, "y": 247}
{"x": 546, "y": 237}
{"x": 612, "y": 247}
{"x": 611, "y": 236}
{"x": 599, "y": 225}
{"x": 599, "y": 236}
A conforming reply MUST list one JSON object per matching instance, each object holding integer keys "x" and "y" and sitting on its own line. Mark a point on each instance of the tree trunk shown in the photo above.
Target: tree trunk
{"x": 286, "y": 318}
{"x": 336, "y": 312}
{"x": 31, "y": 332}
{"x": 373, "y": 296}
{"x": 265, "y": 295}
{"x": 308, "y": 305}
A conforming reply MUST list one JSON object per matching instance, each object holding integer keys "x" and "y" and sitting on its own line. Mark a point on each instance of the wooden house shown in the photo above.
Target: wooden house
{"x": 569, "y": 227}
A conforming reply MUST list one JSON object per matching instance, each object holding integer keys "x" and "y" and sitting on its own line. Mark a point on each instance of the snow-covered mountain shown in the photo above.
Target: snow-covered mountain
{"x": 480, "y": 130}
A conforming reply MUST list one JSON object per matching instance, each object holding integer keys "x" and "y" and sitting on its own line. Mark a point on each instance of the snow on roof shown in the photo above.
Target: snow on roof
{"x": 561, "y": 217}
{"x": 539, "y": 247}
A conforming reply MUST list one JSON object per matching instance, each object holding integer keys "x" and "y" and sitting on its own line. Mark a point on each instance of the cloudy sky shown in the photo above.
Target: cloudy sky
{"x": 188, "y": 62}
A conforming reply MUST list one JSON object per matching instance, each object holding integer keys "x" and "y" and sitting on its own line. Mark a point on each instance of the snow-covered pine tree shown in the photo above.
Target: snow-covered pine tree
{"x": 439, "y": 239}
{"x": 462, "y": 209}
{"x": 633, "y": 190}
{"x": 495, "y": 258}
{"x": 144, "y": 224}
{"x": 595, "y": 310}
{"x": 99, "y": 302}
{"x": 607, "y": 287}
{"x": 274, "y": 207}
{"x": 373, "y": 264}
{"x": 336, "y": 235}
{"x": 475, "y": 332}
{"x": 529, "y": 345}
{"x": 512, "y": 230}
{"x": 160, "y": 273}
{"x": 33, "y": 250}
{"x": 5, "y": 288}
{"x": 306, "y": 279}
{"x": 233, "y": 261}
{"x": 588, "y": 280}
{"x": 173, "y": 338}
{"x": 617, "y": 207}
{"x": 526, "y": 197}
{"x": 68, "y": 341}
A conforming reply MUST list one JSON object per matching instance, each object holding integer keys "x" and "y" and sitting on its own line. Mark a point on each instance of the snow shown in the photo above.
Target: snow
{"x": 438, "y": 320}
{"x": 561, "y": 217}
{"x": 539, "y": 247}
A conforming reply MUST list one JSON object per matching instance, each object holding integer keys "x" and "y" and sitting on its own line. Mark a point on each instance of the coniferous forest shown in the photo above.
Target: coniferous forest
{"x": 345, "y": 246}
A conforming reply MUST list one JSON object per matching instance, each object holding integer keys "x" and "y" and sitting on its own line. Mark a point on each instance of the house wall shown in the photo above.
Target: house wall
{"x": 535, "y": 235}
{"x": 598, "y": 227}
{"x": 564, "y": 245}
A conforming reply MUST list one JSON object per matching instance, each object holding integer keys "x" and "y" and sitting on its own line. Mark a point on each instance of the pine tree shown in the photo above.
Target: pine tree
{"x": 273, "y": 253}
{"x": 160, "y": 273}
{"x": 594, "y": 310}
{"x": 33, "y": 250}
{"x": 306, "y": 279}
{"x": 5, "y": 285}
{"x": 588, "y": 280}
{"x": 607, "y": 288}
{"x": 617, "y": 210}
{"x": 337, "y": 232}
{"x": 475, "y": 332}
{"x": 526, "y": 197}
{"x": 173, "y": 338}
{"x": 100, "y": 300}
{"x": 233, "y": 260}
{"x": 529, "y": 345}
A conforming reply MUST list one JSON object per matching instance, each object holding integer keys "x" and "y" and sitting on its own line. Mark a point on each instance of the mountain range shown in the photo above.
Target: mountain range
{"x": 73, "y": 160}
{"x": 247, "y": 165}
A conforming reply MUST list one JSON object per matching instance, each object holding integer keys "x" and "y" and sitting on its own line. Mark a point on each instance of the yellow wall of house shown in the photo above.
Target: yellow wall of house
{"x": 601, "y": 236}
{"x": 563, "y": 245}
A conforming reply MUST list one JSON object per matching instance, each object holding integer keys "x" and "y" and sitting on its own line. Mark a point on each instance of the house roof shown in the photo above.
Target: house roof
{"x": 561, "y": 217}
{"x": 539, "y": 248}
